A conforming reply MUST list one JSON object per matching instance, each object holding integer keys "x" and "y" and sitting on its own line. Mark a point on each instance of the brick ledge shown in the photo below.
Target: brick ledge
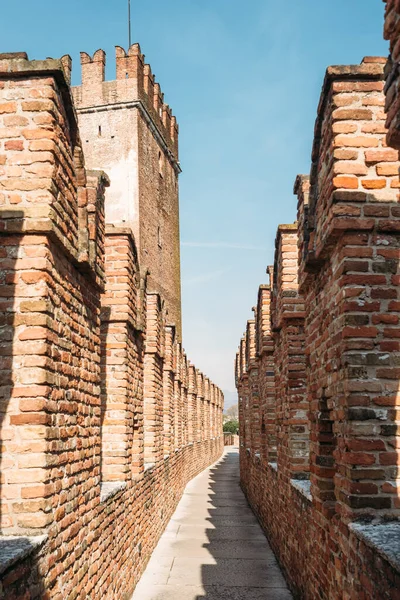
{"x": 302, "y": 486}
{"x": 110, "y": 489}
{"x": 384, "y": 537}
{"x": 15, "y": 548}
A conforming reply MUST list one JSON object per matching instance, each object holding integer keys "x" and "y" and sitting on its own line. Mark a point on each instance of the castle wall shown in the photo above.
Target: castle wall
{"x": 392, "y": 95}
{"x": 128, "y": 131}
{"x": 159, "y": 222}
{"x": 90, "y": 477}
{"x": 332, "y": 347}
{"x": 116, "y": 149}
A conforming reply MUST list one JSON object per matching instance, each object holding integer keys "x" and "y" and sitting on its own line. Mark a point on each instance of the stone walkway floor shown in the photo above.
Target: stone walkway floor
{"x": 213, "y": 547}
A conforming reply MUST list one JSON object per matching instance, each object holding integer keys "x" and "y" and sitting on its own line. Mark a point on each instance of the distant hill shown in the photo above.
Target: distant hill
{"x": 231, "y": 398}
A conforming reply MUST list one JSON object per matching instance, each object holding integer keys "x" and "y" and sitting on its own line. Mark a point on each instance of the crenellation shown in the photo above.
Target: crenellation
{"x": 288, "y": 302}
{"x": 250, "y": 343}
{"x": 93, "y": 69}
{"x": 104, "y": 419}
{"x": 130, "y": 65}
{"x": 302, "y": 191}
{"x": 102, "y": 425}
{"x": 66, "y": 62}
{"x": 134, "y": 82}
{"x": 129, "y": 132}
{"x": 149, "y": 81}
{"x": 167, "y": 119}
{"x": 193, "y": 409}
{"x": 326, "y": 352}
{"x": 158, "y": 100}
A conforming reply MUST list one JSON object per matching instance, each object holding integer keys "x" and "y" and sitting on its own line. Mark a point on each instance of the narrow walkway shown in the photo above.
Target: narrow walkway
{"x": 213, "y": 547}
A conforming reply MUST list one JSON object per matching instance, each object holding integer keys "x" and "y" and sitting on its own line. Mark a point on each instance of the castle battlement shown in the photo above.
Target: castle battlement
{"x": 129, "y": 132}
{"x": 102, "y": 425}
{"x": 134, "y": 83}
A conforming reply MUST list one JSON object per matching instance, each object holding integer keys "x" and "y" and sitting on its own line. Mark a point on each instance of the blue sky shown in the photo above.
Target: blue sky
{"x": 244, "y": 81}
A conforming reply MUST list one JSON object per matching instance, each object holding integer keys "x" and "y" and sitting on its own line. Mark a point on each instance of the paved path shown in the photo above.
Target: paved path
{"x": 213, "y": 547}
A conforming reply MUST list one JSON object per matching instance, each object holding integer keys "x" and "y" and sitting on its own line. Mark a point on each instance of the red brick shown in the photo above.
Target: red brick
{"x": 346, "y": 182}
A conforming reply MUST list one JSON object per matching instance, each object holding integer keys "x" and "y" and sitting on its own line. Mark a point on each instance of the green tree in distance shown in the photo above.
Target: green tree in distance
{"x": 231, "y": 426}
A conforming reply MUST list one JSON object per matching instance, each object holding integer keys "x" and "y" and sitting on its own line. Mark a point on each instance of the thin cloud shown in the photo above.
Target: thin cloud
{"x": 221, "y": 245}
{"x": 205, "y": 277}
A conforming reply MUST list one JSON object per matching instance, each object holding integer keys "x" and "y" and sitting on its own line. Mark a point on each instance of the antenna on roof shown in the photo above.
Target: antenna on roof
{"x": 129, "y": 23}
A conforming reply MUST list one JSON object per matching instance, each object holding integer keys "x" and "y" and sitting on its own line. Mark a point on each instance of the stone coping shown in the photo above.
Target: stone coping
{"x": 149, "y": 466}
{"x": 382, "y": 536}
{"x": 15, "y": 548}
{"x": 303, "y": 486}
{"x": 110, "y": 489}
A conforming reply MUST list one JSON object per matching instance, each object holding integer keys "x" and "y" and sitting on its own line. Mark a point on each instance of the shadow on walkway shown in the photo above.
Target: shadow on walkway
{"x": 213, "y": 547}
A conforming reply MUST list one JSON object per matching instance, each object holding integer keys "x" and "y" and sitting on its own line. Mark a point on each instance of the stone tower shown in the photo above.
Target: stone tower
{"x": 129, "y": 132}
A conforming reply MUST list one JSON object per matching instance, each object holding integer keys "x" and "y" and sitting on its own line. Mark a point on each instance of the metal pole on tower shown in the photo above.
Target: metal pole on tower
{"x": 129, "y": 23}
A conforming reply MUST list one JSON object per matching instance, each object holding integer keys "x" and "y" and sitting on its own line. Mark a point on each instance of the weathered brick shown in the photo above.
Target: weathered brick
{"x": 349, "y": 183}
{"x": 344, "y": 363}
{"x": 354, "y": 114}
{"x": 94, "y": 381}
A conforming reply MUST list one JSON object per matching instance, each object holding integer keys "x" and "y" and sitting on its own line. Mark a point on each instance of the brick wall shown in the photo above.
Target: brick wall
{"x": 129, "y": 131}
{"x": 97, "y": 408}
{"x": 392, "y": 101}
{"x": 327, "y": 351}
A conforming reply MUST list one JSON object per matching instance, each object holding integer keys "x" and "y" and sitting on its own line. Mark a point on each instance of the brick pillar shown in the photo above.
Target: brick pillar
{"x": 265, "y": 352}
{"x": 50, "y": 302}
{"x": 185, "y": 403}
{"x": 207, "y": 411}
{"x": 218, "y": 394}
{"x": 253, "y": 387}
{"x": 352, "y": 297}
{"x": 199, "y": 409}
{"x": 215, "y": 411}
{"x": 168, "y": 391}
{"x": 245, "y": 426}
{"x": 215, "y": 415}
{"x": 244, "y": 411}
{"x": 212, "y": 407}
{"x": 288, "y": 324}
{"x": 237, "y": 375}
{"x": 211, "y": 410}
{"x": 200, "y": 395}
{"x": 174, "y": 430}
{"x": 218, "y": 413}
{"x": 153, "y": 381}
{"x": 179, "y": 397}
{"x": 121, "y": 360}
{"x": 192, "y": 404}
{"x": 176, "y": 412}
{"x": 221, "y": 412}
